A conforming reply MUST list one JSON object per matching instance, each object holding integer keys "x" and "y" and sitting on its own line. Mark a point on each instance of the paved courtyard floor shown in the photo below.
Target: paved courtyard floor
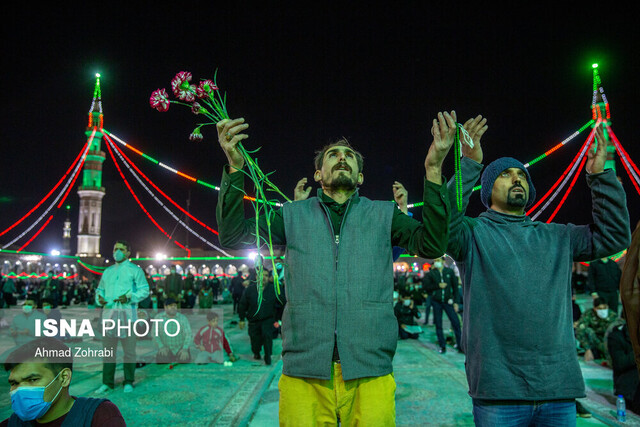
{"x": 431, "y": 388}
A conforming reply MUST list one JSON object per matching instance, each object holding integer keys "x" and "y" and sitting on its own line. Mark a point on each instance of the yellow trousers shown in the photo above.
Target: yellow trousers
{"x": 360, "y": 402}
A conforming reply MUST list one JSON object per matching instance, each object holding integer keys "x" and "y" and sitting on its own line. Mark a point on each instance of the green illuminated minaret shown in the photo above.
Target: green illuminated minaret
{"x": 91, "y": 190}
{"x": 600, "y": 110}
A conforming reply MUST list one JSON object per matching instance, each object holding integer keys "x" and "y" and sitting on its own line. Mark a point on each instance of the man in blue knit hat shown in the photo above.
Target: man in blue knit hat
{"x": 521, "y": 362}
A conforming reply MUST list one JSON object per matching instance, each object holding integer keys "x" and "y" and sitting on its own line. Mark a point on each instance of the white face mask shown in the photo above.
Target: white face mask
{"x": 603, "y": 313}
{"x": 407, "y": 302}
{"x": 437, "y": 264}
{"x": 27, "y": 309}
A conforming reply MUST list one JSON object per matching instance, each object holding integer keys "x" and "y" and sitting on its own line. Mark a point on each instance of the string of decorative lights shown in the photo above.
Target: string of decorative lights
{"x": 70, "y": 181}
{"x": 621, "y": 149}
{"x": 183, "y": 224}
{"x": 629, "y": 166}
{"x": 566, "y": 194}
{"x": 128, "y": 161}
{"x": 141, "y": 205}
{"x": 36, "y": 234}
{"x": 48, "y": 194}
{"x": 564, "y": 178}
{"x": 177, "y": 172}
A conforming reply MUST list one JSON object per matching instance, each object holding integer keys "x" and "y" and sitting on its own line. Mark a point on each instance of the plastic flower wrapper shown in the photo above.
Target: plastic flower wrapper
{"x": 206, "y": 101}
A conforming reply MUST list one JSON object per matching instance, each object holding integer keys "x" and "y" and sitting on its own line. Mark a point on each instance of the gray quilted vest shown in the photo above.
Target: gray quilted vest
{"x": 338, "y": 289}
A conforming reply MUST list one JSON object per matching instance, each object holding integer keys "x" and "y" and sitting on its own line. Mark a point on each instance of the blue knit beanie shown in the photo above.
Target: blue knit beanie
{"x": 494, "y": 169}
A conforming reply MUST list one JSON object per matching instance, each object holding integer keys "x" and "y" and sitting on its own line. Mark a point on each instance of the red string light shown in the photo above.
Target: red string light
{"x": 138, "y": 200}
{"x": 158, "y": 189}
{"x": 616, "y": 141}
{"x": 564, "y": 174}
{"x": 36, "y": 235}
{"x": 48, "y": 194}
{"x": 573, "y": 181}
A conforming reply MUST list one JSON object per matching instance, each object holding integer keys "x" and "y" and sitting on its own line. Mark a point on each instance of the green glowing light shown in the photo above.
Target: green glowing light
{"x": 595, "y": 65}
{"x": 98, "y": 75}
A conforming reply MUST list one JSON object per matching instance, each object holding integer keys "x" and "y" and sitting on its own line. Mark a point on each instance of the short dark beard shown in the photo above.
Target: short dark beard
{"x": 342, "y": 182}
{"x": 519, "y": 200}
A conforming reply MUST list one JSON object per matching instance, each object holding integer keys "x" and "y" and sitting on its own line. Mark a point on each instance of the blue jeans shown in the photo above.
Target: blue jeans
{"x": 519, "y": 413}
{"x": 438, "y": 308}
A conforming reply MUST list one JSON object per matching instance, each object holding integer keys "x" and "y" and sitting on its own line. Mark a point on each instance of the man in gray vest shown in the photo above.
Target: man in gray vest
{"x": 338, "y": 328}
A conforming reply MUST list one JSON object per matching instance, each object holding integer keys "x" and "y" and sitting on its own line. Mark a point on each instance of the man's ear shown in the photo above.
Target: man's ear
{"x": 317, "y": 176}
{"x": 360, "y": 178}
{"x": 66, "y": 375}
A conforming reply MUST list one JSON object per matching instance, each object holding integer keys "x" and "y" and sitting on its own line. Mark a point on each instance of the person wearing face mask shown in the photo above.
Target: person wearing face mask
{"x": 442, "y": 284}
{"x": 39, "y": 390}
{"x": 592, "y": 328}
{"x": 205, "y": 298}
{"x": 23, "y": 325}
{"x": 121, "y": 288}
{"x": 51, "y": 312}
{"x": 406, "y": 313}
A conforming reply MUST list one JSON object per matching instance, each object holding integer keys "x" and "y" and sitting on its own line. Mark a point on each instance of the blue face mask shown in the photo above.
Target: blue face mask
{"x": 28, "y": 402}
{"x": 118, "y": 255}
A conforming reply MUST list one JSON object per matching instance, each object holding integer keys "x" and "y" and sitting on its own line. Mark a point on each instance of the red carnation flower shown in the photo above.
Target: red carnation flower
{"x": 160, "y": 100}
{"x": 205, "y": 88}
{"x": 181, "y": 87}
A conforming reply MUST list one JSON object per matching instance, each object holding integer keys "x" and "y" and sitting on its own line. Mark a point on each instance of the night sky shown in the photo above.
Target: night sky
{"x": 301, "y": 77}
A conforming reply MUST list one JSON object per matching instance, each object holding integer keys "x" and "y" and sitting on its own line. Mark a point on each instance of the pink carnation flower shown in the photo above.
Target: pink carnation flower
{"x": 160, "y": 100}
{"x": 196, "y": 108}
{"x": 181, "y": 87}
{"x": 205, "y": 88}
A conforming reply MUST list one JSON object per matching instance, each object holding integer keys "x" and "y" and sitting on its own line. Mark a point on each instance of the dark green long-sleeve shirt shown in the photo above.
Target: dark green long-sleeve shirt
{"x": 427, "y": 238}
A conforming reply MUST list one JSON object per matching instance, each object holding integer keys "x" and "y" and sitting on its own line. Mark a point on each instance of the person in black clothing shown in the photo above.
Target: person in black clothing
{"x": 625, "y": 373}
{"x": 237, "y": 289}
{"x": 262, "y": 320}
{"x": 406, "y": 312}
{"x": 442, "y": 283}
{"x": 603, "y": 281}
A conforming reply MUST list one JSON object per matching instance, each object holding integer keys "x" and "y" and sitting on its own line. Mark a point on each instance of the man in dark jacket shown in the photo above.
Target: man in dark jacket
{"x": 262, "y": 315}
{"x": 237, "y": 288}
{"x": 442, "y": 285}
{"x": 518, "y": 330}
{"x": 173, "y": 286}
{"x": 626, "y": 382}
{"x": 603, "y": 281}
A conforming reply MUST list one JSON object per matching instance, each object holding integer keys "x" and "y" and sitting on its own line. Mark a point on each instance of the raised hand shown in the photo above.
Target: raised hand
{"x": 300, "y": 193}
{"x": 597, "y": 156}
{"x": 229, "y": 135}
{"x": 400, "y": 195}
{"x": 443, "y": 131}
{"x": 475, "y": 128}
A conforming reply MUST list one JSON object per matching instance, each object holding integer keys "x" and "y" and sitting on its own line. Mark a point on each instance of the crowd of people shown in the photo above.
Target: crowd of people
{"x": 125, "y": 288}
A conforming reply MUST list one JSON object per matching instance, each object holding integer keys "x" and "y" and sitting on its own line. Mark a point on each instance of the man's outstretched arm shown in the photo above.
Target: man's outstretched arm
{"x": 234, "y": 230}
{"x": 610, "y": 231}
{"x": 429, "y": 237}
